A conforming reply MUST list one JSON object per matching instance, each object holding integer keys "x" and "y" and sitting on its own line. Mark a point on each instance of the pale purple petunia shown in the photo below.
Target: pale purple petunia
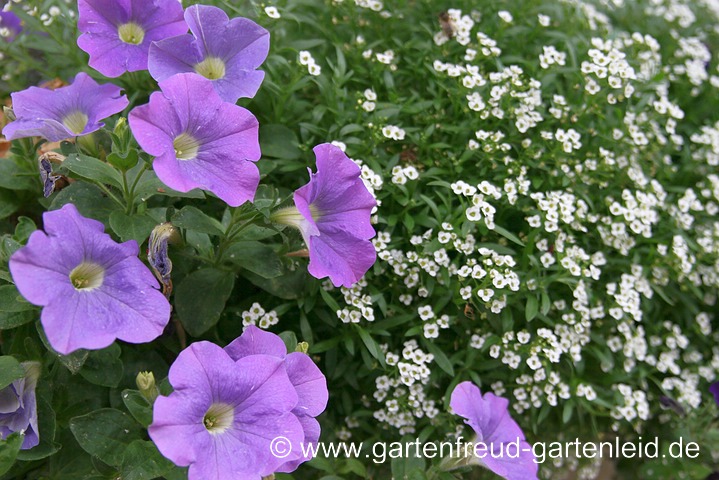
{"x": 333, "y": 214}
{"x": 117, "y": 33}
{"x": 199, "y": 141}
{"x": 18, "y": 407}
{"x": 714, "y": 389}
{"x": 223, "y": 415}
{"x": 489, "y": 418}
{"x": 228, "y": 52}
{"x": 306, "y": 377}
{"x": 92, "y": 289}
{"x": 10, "y": 26}
{"x": 70, "y": 111}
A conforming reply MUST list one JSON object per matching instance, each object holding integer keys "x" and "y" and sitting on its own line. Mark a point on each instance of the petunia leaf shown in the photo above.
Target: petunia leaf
{"x": 103, "y": 367}
{"x": 12, "y": 301}
{"x": 9, "y": 449}
{"x": 131, "y": 227}
{"x": 192, "y": 218}
{"x": 10, "y": 370}
{"x": 200, "y": 299}
{"x": 142, "y": 461}
{"x": 106, "y": 433}
{"x": 138, "y": 406}
{"x": 278, "y": 141}
{"x": 93, "y": 169}
{"x": 255, "y": 257}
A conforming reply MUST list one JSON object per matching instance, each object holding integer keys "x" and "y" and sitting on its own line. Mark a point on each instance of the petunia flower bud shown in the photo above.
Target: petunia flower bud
{"x": 302, "y": 347}
{"x": 146, "y": 384}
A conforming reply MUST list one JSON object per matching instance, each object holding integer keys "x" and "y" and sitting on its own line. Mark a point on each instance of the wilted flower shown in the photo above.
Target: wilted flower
{"x": 93, "y": 289}
{"x": 498, "y": 433}
{"x": 117, "y": 33}
{"x": 333, "y": 214}
{"x": 18, "y": 406}
{"x": 69, "y": 111}
{"x": 228, "y": 52}
{"x": 198, "y": 140}
{"x": 157, "y": 254}
{"x": 307, "y": 379}
{"x": 223, "y": 415}
{"x": 51, "y": 181}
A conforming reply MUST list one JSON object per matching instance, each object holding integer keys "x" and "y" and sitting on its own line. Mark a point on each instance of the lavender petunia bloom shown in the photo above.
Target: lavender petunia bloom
{"x": 714, "y": 389}
{"x": 69, "y": 111}
{"x": 117, "y": 33}
{"x": 223, "y": 415}
{"x": 198, "y": 140}
{"x": 496, "y": 430}
{"x": 10, "y": 26}
{"x": 333, "y": 214}
{"x": 228, "y": 52}
{"x": 93, "y": 289}
{"x": 18, "y": 407}
{"x": 307, "y": 379}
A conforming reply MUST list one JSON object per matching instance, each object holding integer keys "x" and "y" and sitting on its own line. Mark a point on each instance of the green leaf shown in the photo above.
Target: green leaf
{"x": 13, "y": 178}
{"x": 9, "y": 320}
{"x": 255, "y": 257}
{"x": 93, "y": 169}
{"x": 289, "y": 286}
{"x": 149, "y": 185}
{"x": 508, "y": 235}
{"x": 138, "y": 406}
{"x": 25, "y": 226}
{"x": 125, "y": 162}
{"x": 194, "y": 219}
{"x": 106, "y": 433}
{"x": 531, "y": 308}
{"x": 440, "y": 358}
{"x": 372, "y": 346}
{"x": 142, "y": 461}
{"x": 131, "y": 227}
{"x": 12, "y": 301}
{"x": 103, "y": 367}
{"x": 278, "y": 141}
{"x": 9, "y": 449}
{"x": 89, "y": 199}
{"x": 200, "y": 299}
{"x": 73, "y": 361}
{"x": 9, "y": 204}
{"x": 10, "y": 370}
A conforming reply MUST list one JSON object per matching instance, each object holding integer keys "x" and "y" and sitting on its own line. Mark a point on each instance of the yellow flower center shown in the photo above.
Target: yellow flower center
{"x": 219, "y": 417}
{"x": 292, "y": 217}
{"x": 87, "y": 276}
{"x": 75, "y": 122}
{"x": 186, "y": 147}
{"x": 211, "y": 67}
{"x": 131, "y": 33}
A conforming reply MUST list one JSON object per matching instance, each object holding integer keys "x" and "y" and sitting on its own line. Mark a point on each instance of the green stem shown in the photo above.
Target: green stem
{"x": 232, "y": 232}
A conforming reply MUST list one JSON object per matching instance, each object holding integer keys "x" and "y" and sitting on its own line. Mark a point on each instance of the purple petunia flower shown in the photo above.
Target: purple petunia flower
{"x": 69, "y": 111}
{"x": 308, "y": 380}
{"x": 93, "y": 289}
{"x": 714, "y": 389}
{"x": 198, "y": 140}
{"x": 496, "y": 430}
{"x": 117, "y": 33}
{"x": 333, "y": 214}
{"x": 228, "y": 52}
{"x": 10, "y": 26}
{"x": 223, "y": 415}
{"x": 18, "y": 407}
